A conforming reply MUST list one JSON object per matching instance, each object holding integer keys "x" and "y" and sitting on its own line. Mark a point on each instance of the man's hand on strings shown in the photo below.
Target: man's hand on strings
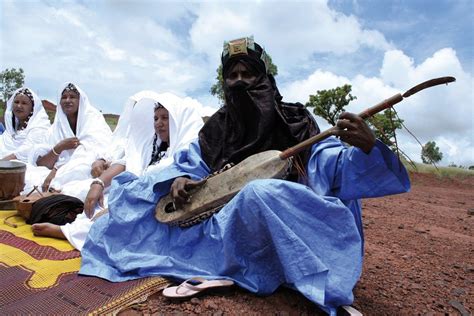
{"x": 181, "y": 188}
{"x": 355, "y": 131}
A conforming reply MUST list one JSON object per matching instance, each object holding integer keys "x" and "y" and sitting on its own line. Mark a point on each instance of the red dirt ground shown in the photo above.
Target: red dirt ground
{"x": 419, "y": 260}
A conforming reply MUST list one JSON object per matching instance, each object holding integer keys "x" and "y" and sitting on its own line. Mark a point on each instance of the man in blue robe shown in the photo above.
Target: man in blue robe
{"x": 304, "y": 232}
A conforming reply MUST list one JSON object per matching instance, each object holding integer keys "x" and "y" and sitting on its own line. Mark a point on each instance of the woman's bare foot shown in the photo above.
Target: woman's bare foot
{"x": 48, "y": 230}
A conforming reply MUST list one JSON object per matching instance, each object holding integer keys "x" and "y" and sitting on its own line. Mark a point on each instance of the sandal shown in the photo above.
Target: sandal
{"x": 348, "y": 311}
{"x": 187, "y": 289}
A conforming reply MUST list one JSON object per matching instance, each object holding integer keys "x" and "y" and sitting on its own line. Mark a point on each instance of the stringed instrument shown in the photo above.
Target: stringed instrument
{"x": 211, "y": 196}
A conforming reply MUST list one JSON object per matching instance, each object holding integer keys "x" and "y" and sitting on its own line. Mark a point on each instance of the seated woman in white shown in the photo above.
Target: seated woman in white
{"x": 116, "y": 150}
{"x": 26, "y": 123}
{"x": 78, "y": 133}
{"x": 150, "y": 147}
{"x": 113, "y": 152}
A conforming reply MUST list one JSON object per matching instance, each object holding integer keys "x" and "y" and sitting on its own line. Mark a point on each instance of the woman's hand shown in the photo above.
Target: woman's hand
{"x": 94, "y": 196}
{"x": 67, "y": 143}
{"x": 355, "y": 131}
{"x": 98, "y": 167}
{"x": 47, "y": 181}
{"x": 180, "y": 190}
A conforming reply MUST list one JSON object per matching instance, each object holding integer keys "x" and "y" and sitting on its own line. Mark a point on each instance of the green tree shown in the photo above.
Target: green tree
{"x": 328, "y": 104}
{"x": 217, "y": 89}
{"x": 10, "y": 80}
{"x": 385, "y": 125}
{"x": 431, "y": 153}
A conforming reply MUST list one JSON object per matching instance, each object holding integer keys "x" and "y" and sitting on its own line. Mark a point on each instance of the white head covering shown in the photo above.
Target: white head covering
{"x": 184, "y": 125}
{"x": 21, "y": 142}
{"x": 116, "y": 150}
{"x": 93, "y": 132}
{"x": 91, "y": 129}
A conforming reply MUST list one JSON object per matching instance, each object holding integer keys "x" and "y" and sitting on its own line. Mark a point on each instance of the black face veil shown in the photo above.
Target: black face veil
{"x": 253, "y": 118}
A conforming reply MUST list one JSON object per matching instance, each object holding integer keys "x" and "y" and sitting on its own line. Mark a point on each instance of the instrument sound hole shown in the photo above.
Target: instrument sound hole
{"x": 169, "y": 208}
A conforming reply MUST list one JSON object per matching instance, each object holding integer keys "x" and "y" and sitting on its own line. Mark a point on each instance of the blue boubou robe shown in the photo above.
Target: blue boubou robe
{"x": 272, "y": 233}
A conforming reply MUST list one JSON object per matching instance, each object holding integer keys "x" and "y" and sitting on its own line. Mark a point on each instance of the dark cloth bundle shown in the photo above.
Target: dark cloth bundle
{"x": 57, "y": 209}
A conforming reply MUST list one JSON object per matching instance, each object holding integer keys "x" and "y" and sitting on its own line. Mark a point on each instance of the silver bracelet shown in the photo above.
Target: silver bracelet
{"x": 98, "y": 181}
{"x": 54, "y": 151}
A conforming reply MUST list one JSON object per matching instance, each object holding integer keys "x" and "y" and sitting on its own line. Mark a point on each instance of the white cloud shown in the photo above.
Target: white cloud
{"x": 440, "y": 110}
{"x": 111, "y": 74}
{"x": 204, "y": 110}
{"x": 69, "y": 17}
{"x": 138, "y": 61}
{"x": 396, "y": 68}
{"x": 460, "y": 152}
{"x": 319, "y": 80}
{"x": 110, "y": 51}
{"x": 131, "y": 46}
{"x": 291, "y": 31}
{"x": 109, "y": 58}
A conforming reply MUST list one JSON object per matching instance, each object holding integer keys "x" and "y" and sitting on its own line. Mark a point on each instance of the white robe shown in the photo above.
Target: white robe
{"x": 184, "y": 125}
{"x": 21, "y": 142}
{"x": 116, "y": 150}
{"x": 93, "y": 133}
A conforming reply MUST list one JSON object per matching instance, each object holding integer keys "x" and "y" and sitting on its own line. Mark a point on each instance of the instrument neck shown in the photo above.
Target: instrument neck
{"x": 332, "y": 131}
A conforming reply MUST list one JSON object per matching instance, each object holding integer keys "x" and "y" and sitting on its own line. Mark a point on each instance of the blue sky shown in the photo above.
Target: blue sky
{"x": 113, "y": 49}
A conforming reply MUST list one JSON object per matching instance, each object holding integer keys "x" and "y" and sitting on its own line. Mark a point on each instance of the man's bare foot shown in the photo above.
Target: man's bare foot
{"x": 48, "y": 230}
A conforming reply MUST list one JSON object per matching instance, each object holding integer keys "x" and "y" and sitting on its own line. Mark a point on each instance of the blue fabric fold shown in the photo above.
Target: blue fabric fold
{"x": 272, "y": 233}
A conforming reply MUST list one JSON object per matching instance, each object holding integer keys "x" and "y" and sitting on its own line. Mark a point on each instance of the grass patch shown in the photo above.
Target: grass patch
{"x": 111, "y": 121}
{"x": 450, "y": 172}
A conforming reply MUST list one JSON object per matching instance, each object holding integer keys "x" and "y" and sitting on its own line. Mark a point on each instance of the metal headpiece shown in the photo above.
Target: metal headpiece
{"x": 26, "y": 92}
{"x": 244, "y": 46}
{"x": 70, "y": 87}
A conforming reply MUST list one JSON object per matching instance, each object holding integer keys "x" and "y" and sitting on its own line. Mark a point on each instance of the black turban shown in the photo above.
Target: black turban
{"x": 253, "y": 119}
